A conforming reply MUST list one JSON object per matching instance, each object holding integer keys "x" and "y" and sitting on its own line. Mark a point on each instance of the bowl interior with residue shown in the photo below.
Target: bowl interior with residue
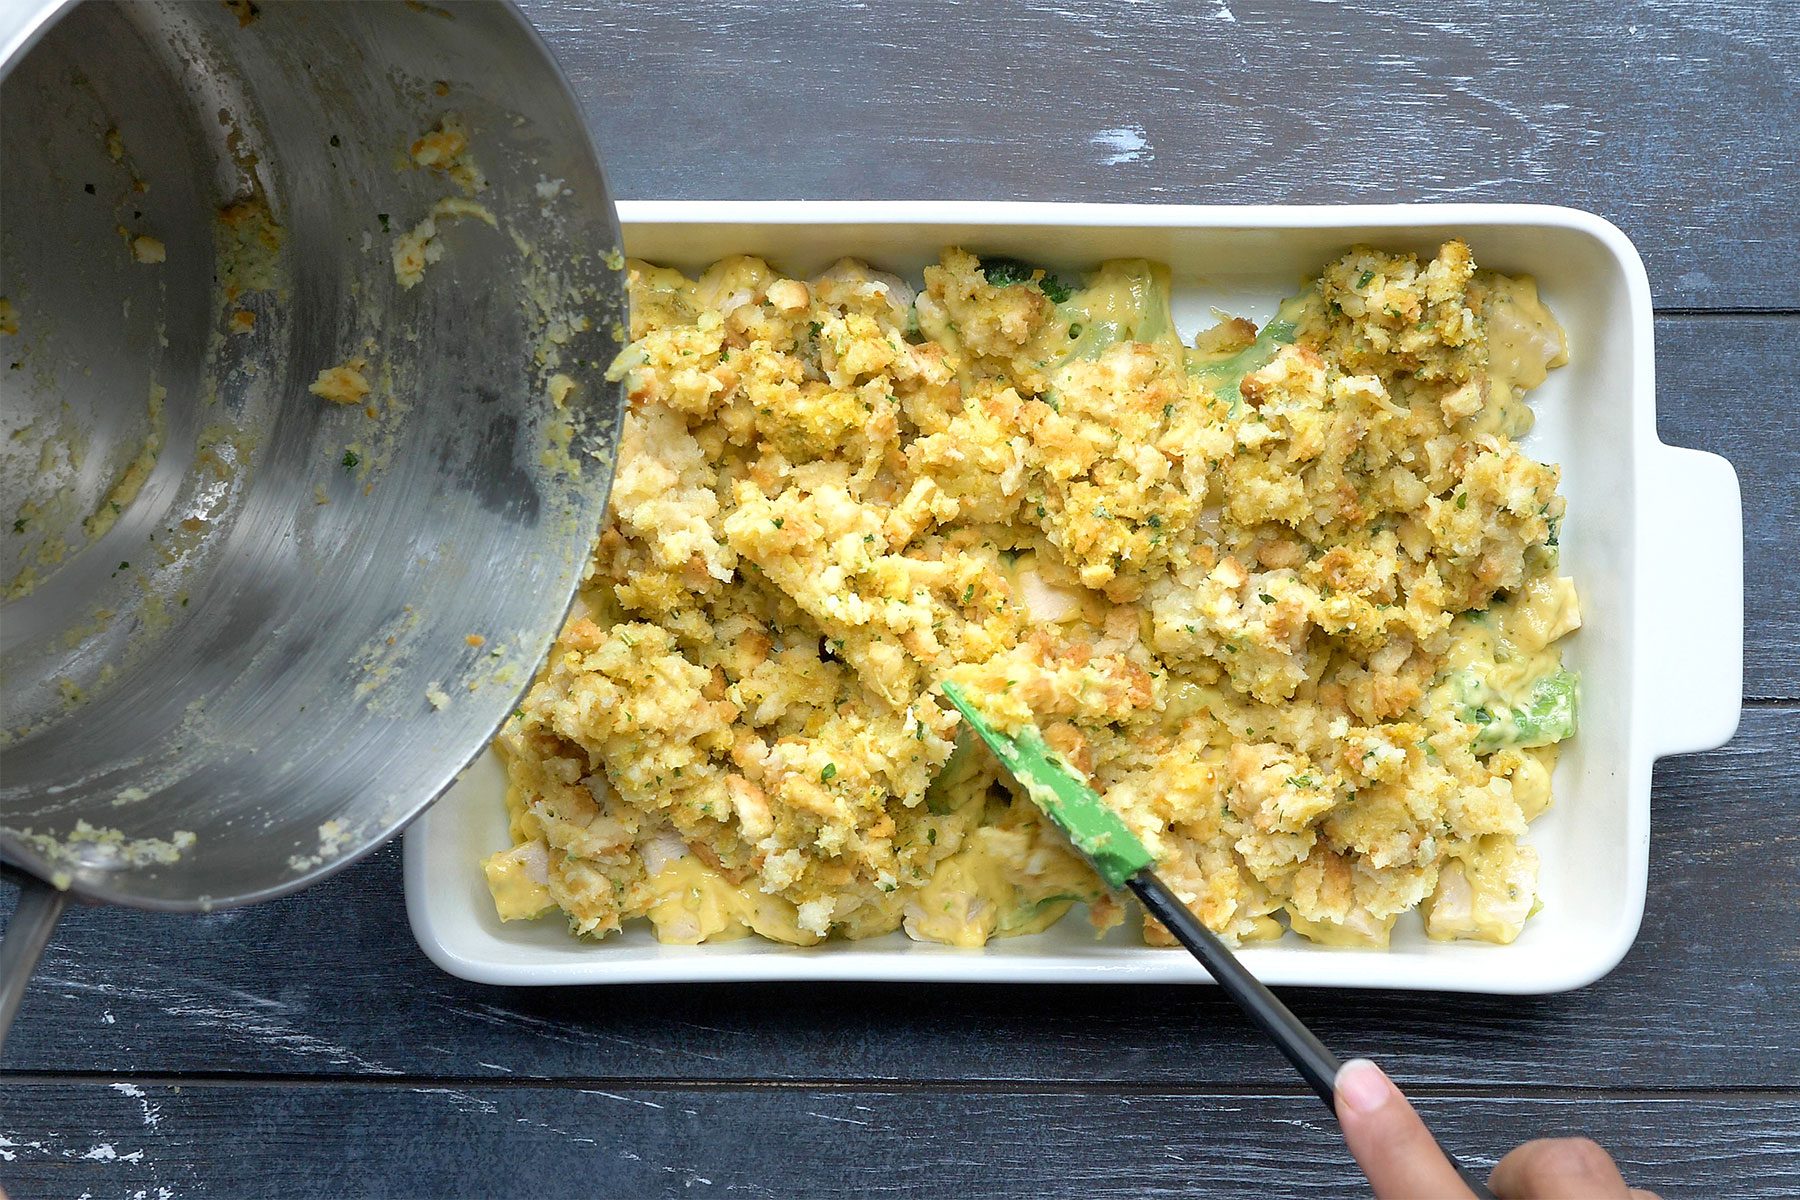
{"x": 249, "y": 631}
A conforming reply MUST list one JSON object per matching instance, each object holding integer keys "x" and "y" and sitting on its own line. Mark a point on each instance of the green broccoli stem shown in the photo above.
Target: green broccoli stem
{"x": 1225, "y": 375}
{"x": 1546, "y": 716}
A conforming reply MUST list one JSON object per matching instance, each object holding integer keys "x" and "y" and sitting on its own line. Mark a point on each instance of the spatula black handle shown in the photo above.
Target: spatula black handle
{"x": 1315, "y": 1063}
{"x": 1308, "y": 1054}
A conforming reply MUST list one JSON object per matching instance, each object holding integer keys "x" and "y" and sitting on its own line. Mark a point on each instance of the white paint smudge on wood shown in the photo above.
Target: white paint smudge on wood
{"x": 9, "y": 1149}
{"x": 229, "y": 1009}
{"x": 152, "y": 1113}
{"x": 1127, "y": 144}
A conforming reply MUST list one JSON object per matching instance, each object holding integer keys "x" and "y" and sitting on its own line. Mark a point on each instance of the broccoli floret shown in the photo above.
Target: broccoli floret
{"x": 1005, "y": 272}
{"x": 1058, "y": 291}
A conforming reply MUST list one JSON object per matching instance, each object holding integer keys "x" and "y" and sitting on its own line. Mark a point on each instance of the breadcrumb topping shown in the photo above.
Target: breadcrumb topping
{"x": 1287, "y": 597}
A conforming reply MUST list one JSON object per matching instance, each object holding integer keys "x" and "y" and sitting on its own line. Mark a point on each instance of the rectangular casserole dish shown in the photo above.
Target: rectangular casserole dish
{"x": 1653, "y": 538}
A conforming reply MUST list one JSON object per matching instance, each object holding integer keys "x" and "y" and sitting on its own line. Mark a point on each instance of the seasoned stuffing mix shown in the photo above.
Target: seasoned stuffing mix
{"x": 1287, "y": 597}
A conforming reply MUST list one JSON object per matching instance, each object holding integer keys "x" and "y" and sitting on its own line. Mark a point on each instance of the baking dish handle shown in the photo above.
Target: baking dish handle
{"x": 1691, "y": 542}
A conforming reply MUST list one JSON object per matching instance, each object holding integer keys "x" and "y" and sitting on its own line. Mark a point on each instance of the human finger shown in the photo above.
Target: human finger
{"x": 1558, "y": 1169}
{"x": 1391, "y": 1144}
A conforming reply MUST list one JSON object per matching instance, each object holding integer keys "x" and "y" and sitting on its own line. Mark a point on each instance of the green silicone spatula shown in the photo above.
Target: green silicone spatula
{"x": 1122, "y": 861}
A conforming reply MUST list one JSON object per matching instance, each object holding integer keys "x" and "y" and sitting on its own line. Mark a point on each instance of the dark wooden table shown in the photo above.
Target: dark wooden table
{"x": 307, "y": 1048}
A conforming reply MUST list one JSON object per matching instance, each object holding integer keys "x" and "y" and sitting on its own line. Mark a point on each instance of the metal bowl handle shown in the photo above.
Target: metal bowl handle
{"x": 26, "y": 935}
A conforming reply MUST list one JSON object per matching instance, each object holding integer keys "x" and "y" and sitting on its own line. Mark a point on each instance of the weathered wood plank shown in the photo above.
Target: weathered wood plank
{"x": 329, "y": 982}
{"x": 66, "y": 1140}
{"x": 1725, "y": 385}
{"x": 1678, "y": 119}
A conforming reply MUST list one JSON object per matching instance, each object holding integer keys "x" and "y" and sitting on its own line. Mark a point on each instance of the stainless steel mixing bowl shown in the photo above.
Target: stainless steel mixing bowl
{"x": 249, "y": 632}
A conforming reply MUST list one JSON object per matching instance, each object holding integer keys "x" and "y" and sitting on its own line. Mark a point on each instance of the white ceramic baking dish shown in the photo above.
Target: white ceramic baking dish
{"x": 1653, "y": 538}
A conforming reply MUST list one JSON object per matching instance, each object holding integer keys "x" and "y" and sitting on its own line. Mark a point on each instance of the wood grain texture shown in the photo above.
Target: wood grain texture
{"x": 329, "y": 983}
{"x": 201, "y": 1140}
{"x": 307, "y": 1048}
{"x": 1677, "y": 119}
{"x": 1723, "y": 385}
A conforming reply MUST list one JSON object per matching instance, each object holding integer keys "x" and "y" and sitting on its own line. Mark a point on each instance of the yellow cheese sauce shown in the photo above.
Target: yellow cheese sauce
{"x": 692, "y": 903}
{"x": 1287, "y": 597}
{"x": 972, "y": 898}
{"x": 1525, "y": 343}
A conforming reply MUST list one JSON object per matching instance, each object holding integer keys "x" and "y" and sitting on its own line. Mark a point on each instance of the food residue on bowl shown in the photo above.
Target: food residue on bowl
{"x": 103, "y": 848}
{"x": 342, "y": 384}
{"x": 446, "y": 149}
{"x": 334, "y": 835}
{"x": 419, "y": 247}
{"x": 131, "y": 481}
{"x": 560, "y": 387}
{"x": 62, "y": 453}
{"x": 248, "y": 245}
